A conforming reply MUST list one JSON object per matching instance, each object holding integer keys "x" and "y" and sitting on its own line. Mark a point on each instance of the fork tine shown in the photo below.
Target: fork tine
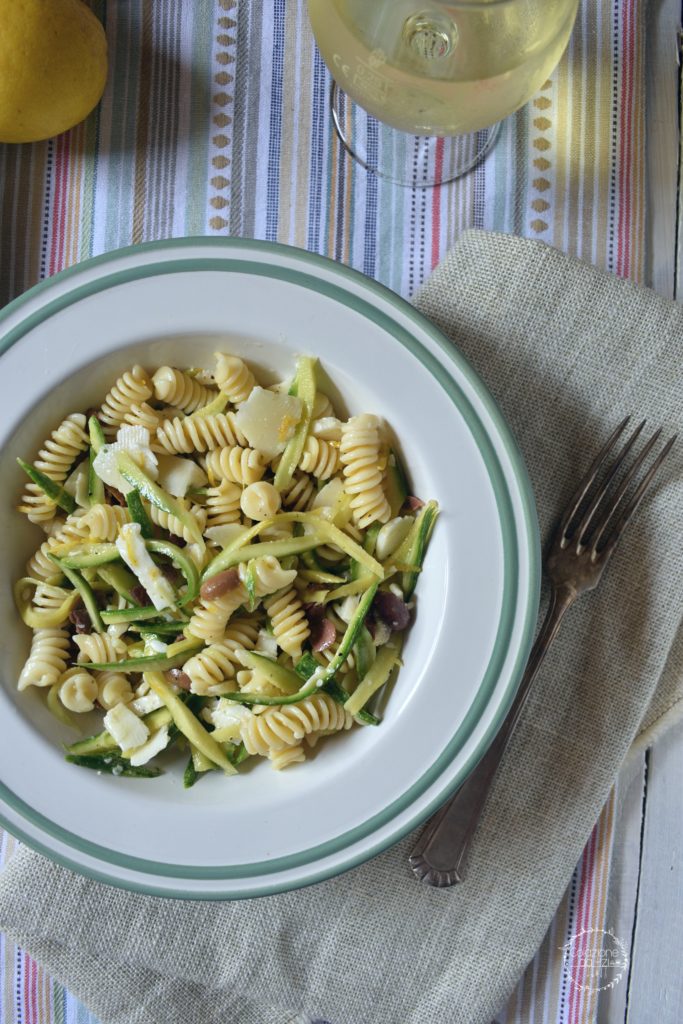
{"x": 612, "y": 470}
{"x": 617, "y": 497}
{"x": 587, "y": 482}
{"x": 635, "y": 501}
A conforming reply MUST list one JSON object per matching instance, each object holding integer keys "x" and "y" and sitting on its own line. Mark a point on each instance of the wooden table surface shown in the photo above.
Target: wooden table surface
{"x": 645, "y": 899}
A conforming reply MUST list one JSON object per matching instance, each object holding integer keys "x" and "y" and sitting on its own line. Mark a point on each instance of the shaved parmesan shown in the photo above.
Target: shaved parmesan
{"x": 268, "y": 420}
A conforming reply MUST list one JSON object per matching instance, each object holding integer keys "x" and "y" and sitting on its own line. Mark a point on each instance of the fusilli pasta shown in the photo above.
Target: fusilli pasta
{"x": 359, "y": 453}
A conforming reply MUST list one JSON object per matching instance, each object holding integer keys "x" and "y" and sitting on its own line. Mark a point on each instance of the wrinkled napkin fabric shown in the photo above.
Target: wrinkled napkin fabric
{"x": 567, "y": 351}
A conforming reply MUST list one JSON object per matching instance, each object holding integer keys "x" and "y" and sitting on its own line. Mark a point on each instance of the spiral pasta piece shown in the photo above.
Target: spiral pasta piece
{"x": 54, "y": 459}
{"x": 47, "y": 660}
{"x": 239, "y": 465}
{"x": 99, "y": 647}
{"x": 210, "y": 617}
{"x": 289, "y": 622}
{"x": 233, "y": 377}
{"x": 279, "y": 727}
{"x": 299, "y": 494}
{"x": 77, "y": 690}
{"x": 359, "y": 452}
{"x": 283, "y": 758}
{"x": 173, "y": 525}
{"x": 132, "y": 388}
{"x": 103, "y": 522}
{"x": 209, "y": 669}
{"x": 48, "y": 597}
{"x": 223, "y": 503}
{"x": 260, "y": 501}
{"x": 319, "y": 458}
{"x": 183, "y": 435}
{"x": 112, "y": 688}
{"x": 179, "y": 389}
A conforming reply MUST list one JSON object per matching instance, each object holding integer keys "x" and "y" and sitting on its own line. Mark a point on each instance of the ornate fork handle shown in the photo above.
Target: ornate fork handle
{"x": 439, "y": 855}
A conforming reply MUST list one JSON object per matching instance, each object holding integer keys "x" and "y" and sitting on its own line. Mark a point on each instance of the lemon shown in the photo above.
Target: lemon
{"x": 53, "y": 67}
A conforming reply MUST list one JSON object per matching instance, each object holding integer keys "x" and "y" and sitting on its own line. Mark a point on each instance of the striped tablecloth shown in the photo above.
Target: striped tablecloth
{"x": 215, "y": 122}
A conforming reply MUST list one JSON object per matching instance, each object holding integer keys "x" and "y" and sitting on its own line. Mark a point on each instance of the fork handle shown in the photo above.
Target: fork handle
{"x": 439, "y": 856}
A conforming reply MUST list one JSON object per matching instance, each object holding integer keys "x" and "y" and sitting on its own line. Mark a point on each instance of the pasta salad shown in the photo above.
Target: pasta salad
{"x": 228, "y": 569}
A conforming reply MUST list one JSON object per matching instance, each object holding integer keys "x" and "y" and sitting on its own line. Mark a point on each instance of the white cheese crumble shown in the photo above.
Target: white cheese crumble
{"x": 132, "y": 549}
{"x": 125, "y": 727}
{"x": 157, "y": 742}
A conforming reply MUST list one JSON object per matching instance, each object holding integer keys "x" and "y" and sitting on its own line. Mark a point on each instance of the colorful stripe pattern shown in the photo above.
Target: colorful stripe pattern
{"x": 216, "y": 121}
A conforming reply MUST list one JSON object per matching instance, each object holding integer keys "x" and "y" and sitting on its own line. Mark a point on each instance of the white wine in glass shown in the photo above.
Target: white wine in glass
{"x": 450, "y": 70}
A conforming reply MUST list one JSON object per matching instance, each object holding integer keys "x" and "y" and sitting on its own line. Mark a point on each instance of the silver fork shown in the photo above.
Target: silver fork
{"x": 582, "y": 545}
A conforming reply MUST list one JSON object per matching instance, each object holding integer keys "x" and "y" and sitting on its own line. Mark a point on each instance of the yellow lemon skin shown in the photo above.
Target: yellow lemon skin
{"x": 53, "y": 67}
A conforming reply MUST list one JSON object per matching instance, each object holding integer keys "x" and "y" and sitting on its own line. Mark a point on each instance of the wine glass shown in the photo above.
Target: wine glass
{"x": 433, "y": 79}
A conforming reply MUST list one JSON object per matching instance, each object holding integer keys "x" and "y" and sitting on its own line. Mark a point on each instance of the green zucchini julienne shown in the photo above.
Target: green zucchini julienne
{"x": 97, "y": 441}
{"x": 90, "y": 554}
{"x": 136, "y": 613}
{"x": 412, "y": 550}
{"x": 396, "y": 483}
{"x": 304, "y": 387}
{"x": 97, "y": 438}
{"x": 214, "y": 407}
{"x": 190, "y": 775}
{"x": 376, "y": 676}
{"x": 365, "y": 652}
{"x": 155, "y": 494}
{"x": 249, "y": 581}
{"x": 114, "y": 764}
{"x": 273, "y": 672}
{"x": 322, "y": 674}
{"x": 276, "y": 548}
{"x": 148, "y": 663}
{"x": 86, "y": 592}
{"x": 183, "y": 562}
{"x": 53, "y": 491}
{"x": 327, "y": 533}
{"x": 138, "y": 513}
{"x": 188, "y": 724}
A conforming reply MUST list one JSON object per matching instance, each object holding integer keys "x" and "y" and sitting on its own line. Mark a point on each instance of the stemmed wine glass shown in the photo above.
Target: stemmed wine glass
{"x": 435, "y": 78}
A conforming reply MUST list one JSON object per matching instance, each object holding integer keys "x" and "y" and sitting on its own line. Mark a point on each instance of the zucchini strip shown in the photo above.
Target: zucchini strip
{"x": 304, "y": 388}
{"x": 147, "y": 663}
{"x": 85, "y": 590}
{"x": 327, "y": 531}
{"x": 53, "y": 491}
{"x": 376, "y": 676}
{"x": 284, "y": 678}
{"x": 188, "y": 725}
{"x": 277, "y": 548}
{"x": 138, "y": 514}
{"x": 114, "y": 764}
{"x": 412, "y": 550}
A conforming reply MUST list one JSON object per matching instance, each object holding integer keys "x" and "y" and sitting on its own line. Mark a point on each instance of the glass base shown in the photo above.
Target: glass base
{"x": 416, "y": 161}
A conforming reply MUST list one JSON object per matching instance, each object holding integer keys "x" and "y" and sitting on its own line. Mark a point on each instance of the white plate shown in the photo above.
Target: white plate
{"x": 177, "y": 302}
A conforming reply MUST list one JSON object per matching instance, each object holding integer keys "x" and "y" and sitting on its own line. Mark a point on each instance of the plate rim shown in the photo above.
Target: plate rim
{"x": 360, "y": 284}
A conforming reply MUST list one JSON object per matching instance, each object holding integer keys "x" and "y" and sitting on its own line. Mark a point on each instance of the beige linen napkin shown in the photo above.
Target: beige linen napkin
{"x": 566, "y": 351}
